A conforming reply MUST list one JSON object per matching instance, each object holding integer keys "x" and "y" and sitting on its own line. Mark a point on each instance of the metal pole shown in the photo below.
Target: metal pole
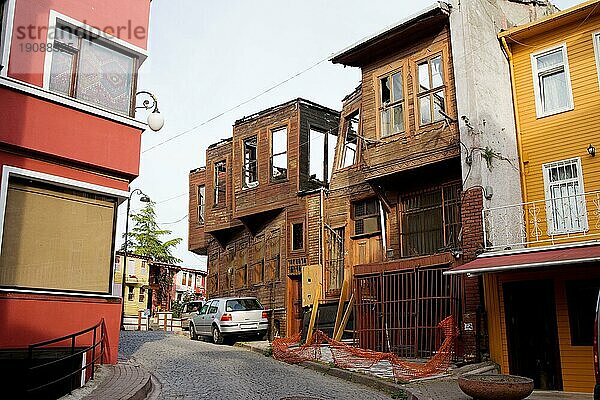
{"x": 125, "y": 262}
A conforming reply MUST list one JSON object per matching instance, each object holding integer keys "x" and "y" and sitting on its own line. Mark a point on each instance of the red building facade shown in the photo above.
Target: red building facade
{"x": 69, "y": 147}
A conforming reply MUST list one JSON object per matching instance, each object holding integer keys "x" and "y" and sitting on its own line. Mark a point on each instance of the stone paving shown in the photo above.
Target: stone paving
{"x": 197, "y": 370}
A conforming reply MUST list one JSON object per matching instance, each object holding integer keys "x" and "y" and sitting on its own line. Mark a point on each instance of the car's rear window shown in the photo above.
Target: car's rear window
{"x": 243, "y": 305}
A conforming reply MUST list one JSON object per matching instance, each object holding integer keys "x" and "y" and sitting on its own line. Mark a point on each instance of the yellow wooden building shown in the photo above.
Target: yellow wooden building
{"x": 137, "y": 290}
{"x": 541, "y": 267}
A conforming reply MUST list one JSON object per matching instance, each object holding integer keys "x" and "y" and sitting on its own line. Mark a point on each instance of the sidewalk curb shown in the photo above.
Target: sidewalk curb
{"x": 349, "y": 376}
{"x": 129, "y": 381}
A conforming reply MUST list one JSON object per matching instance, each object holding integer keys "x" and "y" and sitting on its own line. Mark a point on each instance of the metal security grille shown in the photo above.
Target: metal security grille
{"x": 399, "y": 311}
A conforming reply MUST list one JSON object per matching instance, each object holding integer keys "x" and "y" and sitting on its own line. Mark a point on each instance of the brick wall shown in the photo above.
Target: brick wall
{"x": 472, "y": 244}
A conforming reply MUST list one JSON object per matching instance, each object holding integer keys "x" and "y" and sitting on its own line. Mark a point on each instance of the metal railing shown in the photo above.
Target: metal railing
{"x": 98, "y": 333}
{"x": 558, "y": 220}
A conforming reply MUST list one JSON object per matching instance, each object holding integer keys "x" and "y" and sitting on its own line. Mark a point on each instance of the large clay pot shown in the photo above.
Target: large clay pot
{"x": 496, "y": 387}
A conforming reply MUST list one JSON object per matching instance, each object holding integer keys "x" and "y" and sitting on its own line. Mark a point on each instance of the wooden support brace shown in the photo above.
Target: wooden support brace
{"x": 340, "y": 331}
{"x": 313, "y": 316}
{"x": 340, "y": 310}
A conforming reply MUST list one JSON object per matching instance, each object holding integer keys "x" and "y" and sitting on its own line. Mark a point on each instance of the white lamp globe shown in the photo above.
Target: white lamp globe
{"x": 156, "y": 121}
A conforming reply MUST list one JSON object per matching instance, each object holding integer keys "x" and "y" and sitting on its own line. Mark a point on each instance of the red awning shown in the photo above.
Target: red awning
{"x": 529, "y": 258}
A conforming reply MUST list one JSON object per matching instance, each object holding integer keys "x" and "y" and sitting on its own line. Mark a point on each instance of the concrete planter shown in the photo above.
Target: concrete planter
{"x": 493, "y": 387}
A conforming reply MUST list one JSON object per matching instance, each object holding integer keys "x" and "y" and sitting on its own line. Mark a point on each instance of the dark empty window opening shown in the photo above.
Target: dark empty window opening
{"x": 581, "y": 301}
{"x": 220, "y": 182}
{"x": 250, "y": 163}
{"x": 297, "y": 236}
{"x": 366, "y": 217}
{"x": 279, "y": 158}
{"x": 200, "y": 202}
{"x": 350, "y": 150}
{"x": 321, "y": 149}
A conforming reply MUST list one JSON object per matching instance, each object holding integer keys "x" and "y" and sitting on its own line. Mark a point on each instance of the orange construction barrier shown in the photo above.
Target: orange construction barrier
{"x": 344, "y": 356}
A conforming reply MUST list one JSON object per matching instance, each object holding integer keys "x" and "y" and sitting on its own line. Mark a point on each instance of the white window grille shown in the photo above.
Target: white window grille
{"x": 565, "y": 200}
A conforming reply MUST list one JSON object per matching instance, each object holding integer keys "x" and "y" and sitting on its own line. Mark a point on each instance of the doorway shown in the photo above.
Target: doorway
{"x": 532, "y": 333}
{"x": 297, "y": 313}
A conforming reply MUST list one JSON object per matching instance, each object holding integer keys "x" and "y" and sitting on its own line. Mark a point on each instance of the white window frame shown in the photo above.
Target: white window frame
{"x": 8, "y": 18}
{"x": 552, "y": 228}
{"x": 57, "y": 19}
{"x": 595, "y": 40}
{"x": 539, "y": 107}
{"x": 10, "y": 171}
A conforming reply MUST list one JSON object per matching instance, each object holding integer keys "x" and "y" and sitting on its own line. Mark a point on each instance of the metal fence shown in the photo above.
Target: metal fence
{"x": 399, "y": 311}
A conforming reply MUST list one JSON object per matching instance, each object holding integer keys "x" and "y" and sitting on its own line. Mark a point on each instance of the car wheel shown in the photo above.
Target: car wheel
{"x": 193, "y": 334}
{"x": 216, "y": 335}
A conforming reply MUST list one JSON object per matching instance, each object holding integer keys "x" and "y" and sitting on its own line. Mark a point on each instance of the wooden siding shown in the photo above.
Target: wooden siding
{"x": 197, "y": 238}
{"x": 419, "y": 145}
{"x": 577, "y": 362}
{"x": 219, "y": 217}
{"x": 567, "y": 134}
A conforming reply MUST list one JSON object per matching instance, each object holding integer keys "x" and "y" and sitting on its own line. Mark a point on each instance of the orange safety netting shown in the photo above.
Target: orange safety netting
{"x": 345, "y": 356}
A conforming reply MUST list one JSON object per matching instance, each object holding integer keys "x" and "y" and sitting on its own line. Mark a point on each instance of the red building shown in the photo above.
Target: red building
{"x": 69, "y": 147}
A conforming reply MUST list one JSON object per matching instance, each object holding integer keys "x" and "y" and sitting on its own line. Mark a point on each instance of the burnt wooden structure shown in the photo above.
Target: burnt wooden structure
{"x": 256, "y": 209}
{"x": 395, "y": 202}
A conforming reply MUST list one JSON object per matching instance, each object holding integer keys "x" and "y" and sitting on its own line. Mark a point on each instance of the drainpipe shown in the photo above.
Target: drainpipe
{"x": 509, "y": 56}
{"x": 322, "y": 239}
{"x": 383, "y": 230}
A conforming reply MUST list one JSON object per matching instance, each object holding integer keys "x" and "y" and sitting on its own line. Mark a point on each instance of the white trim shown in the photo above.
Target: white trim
{"x": 538, "y": 249}
{"x": 521, "y": 266}
{"x": 58, "y": 293}
{"x": 70, "y": 102}
{"x": 124, "y": 46}
{"x": 595, "y": 40}
{"x": 540, "y": 113}
{"x": 548, "y": 196}
{"x": 9, "y": 18}
{"x": 8, "y": 171}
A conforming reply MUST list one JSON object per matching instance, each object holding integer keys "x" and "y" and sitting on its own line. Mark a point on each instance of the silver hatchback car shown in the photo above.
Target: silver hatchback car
{"x": 229, "y": 317}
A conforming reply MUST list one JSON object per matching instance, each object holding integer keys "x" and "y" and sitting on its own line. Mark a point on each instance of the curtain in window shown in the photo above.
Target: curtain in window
{"x": 555, "y": 92}
{"x": 105, "y": 77}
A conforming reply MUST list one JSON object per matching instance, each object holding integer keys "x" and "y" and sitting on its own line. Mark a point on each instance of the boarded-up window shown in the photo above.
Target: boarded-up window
{"x": 366, "y": 217}
{"x": 56, "y": 238}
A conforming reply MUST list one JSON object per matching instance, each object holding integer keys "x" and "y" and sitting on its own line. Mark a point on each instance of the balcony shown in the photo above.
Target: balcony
{"x": 560, "y": 220}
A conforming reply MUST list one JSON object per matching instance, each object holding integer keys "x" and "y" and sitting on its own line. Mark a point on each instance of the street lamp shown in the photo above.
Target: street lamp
{"x": 143, "y": 199}
{"x": 155, "y": 120}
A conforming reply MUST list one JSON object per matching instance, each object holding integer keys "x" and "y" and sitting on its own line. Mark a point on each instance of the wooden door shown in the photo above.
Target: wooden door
{"x": 297, "y": 313}
{"x": 368, "y": 250}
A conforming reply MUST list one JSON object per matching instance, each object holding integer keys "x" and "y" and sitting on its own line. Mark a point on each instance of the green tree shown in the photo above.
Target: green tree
{"x": 144, "y": 239}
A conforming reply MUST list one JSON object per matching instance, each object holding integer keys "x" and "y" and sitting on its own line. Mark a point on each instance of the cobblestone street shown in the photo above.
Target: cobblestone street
{"x": 199, "y": 370}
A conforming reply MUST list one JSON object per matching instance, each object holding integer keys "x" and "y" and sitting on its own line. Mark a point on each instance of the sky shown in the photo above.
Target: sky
{"x": 208, "y": 57}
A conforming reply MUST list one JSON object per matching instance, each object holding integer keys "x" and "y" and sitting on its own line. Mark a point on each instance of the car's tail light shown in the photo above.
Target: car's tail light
{"x": 264, "y": 315}
{"x": 226, "y": 317}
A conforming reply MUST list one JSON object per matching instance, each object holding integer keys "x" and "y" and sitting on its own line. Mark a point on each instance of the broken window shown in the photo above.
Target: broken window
{"x": 220, "y": 181}
{"x": 297, "y": 236}
{"x": 366, "y": 217}
{"x": 350, "y": 151}
{"x": 250, "y": 163}
{"x": 200, "y": 203}
{"x": 431, "y": 100}
{"x": 431, "y": 221}
{"x": 391, "y": 103}
{"x": 321, "y": 153}
{"x": 279, "y": 159}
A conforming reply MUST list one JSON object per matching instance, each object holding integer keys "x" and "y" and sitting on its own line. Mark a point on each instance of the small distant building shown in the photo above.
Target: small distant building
{"x": 138, "y": 295}
{"x": 189, "y": 281}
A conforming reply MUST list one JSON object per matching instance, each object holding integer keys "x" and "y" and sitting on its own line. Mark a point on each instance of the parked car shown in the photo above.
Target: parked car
{"x": 228, "y": 318}
{"x": 596, "y": 344}
{"x": 189, "y": 308}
